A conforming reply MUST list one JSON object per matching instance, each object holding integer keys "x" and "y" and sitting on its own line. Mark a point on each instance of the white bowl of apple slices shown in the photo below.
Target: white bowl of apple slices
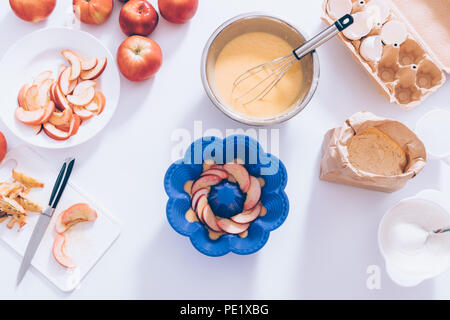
{"x": 63, "y": 87}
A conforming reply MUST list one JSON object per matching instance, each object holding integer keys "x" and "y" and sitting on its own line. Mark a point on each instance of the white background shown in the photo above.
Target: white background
{"x": 330, "y": 236}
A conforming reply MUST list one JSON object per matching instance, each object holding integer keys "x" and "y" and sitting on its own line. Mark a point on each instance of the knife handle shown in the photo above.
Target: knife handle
{"x": 61, "y": 182}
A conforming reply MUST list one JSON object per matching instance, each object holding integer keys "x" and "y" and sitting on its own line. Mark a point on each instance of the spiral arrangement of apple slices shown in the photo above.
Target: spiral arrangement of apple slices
{"x": 248, "y": 184}
{"x": 73, "y": 215}
{"x": 58, "y": 107}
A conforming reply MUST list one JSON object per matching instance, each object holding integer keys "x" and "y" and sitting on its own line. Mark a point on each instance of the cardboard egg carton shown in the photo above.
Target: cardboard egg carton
{"x": 388, "y": 47}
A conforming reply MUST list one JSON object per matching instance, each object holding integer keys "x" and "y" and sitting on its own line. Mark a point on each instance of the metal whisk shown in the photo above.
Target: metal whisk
{"x": 276, "y": 69}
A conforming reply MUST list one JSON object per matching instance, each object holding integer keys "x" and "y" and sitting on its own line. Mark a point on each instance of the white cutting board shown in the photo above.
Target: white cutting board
{"x": 86, "y": 242}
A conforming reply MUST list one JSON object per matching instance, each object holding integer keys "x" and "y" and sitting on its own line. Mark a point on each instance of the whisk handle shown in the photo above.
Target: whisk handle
{"x": 323, "y": 37}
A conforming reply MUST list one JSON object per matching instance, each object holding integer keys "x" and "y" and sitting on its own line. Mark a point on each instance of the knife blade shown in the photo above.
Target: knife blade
{"x": 45, "y": 218}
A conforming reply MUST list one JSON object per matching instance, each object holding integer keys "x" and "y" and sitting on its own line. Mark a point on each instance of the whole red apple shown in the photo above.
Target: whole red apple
{"x": 139, "y": 58}
{"x": 93, "y": 11}
{"x": 138, "y": 17}
{"x": 178, "y": 11}
{"x": 32, "y": 10}
{"x": 3, "y": 147}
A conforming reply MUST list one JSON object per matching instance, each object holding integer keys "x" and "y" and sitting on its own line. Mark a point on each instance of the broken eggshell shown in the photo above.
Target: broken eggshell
{"x": 379, "y": 10}
{"x": 338, "y": 8}
{"x": 361, "y": 26}
{"x": 394, "y": 32}
{"x": 371, "y": 48}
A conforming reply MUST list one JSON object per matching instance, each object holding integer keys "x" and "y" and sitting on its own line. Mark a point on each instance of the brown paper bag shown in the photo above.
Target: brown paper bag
{"x": 335, "y": 165}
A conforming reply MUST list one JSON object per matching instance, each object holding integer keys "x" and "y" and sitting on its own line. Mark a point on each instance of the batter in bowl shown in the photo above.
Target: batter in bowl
{"x": 249, "y": 50}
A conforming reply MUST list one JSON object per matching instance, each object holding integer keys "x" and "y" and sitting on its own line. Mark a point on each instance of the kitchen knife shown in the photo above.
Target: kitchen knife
{"x": 45, "y": 217}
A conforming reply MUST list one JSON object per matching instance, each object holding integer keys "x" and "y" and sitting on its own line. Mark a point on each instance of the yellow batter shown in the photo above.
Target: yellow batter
{"x": 247, "y": 51}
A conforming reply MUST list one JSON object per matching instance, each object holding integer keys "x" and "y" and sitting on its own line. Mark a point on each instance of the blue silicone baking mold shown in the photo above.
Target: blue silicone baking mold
{"x": 227, "y": 196}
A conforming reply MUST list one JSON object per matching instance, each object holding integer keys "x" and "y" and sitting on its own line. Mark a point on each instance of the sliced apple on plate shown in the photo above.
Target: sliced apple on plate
{"x": 83, "y": 86}
{"x": 49, "y": 109}
{"x": 231, "y": 227}
{"x": 61, "y": 100}
{"x": 42, "y": 77}
{"x": 88, "y": 63}
{"x": 95, "y": 72}
{"x": 59, "y": 252}
{"x": 61, "y": 118}
{"x": 83, "y": 113}
{"x": 82, "y": 99}
{"x": 77, "y": 213}
{"x": 100, "y": 100}
{"x": 21, "y": 95}
{"x": 65, "y": 84}
{"x": 32, "y": 99}
{"x": 58, "y": 134}
{"x": 29, "y": 117}
{"x": 44, "y": 92}
{"x": 75, "y": 64}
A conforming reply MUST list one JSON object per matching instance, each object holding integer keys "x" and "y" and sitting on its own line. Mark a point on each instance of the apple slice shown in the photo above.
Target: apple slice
{"x": 61, "y": 101}
{"x": 83, "y": 99}
{"x": 61, "y": 118}
{"x": 55, "y": 133}
{"x": 44, "y": 92}
{"x": 59, "y": 252}
{"x": 31, "y": 99}
{"x": 75, "y": 64}
{"x": 76, "y": 124}
{"x": 29, "y": 117}
{"x": 88, "y": 63}
{"x": 229, "y": 226}
{"x": 65, "y": 84}
{"x": 196, "y": 196}
{"x": 92, "y": 107}
{"x": 210, "y": 219}
{"x": 49, "y": 109}
{"x": 248, "y": 216}
{"x": 201, "y": 204}
{"x": 218, "y": 172}
{"x": 205, "y": 182}
{"x": 42, "y": 77}
{"x": 79, "y": 212}
{"x": 21, "y": 96}
{"x": 253, "y": 193}
{"x": 100, "y": 100}
{"x": 95, "y": 72}
{"x": 241, "y": 175}
{"x": 37, "y": 128}
{"x": 83, "y": 86}
{"x": 83, "y": 113}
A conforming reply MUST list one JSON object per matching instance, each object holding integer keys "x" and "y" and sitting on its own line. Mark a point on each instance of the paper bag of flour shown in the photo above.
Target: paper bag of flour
{"x": 371, "y": 152}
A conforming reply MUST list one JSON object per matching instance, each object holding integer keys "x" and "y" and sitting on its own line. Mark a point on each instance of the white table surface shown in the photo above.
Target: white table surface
{"x": 330, "y": 236}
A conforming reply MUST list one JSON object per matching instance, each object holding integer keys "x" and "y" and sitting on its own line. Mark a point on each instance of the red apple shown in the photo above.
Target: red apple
{"x": 32, "y": 10}
{"x": 93, "y": 11}
{"x": 138, "y": 17}
{"x": 3, "y": 147}
{"x": 178, "y": 11}
{"x": 139, "y": 58}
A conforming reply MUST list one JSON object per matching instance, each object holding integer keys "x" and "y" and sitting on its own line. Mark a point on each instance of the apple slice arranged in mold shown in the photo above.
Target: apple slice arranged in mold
{"x": 196, "y": 196}
{"x": 241, "y": 175}
{"x": 218, "y": 172}
{"x": 253, "y": 193}
{"x": 231, "y": 227}
{"x": 205, "y": 182}
{"x": 249, "y": 215}
{"x": 210, "y": 219}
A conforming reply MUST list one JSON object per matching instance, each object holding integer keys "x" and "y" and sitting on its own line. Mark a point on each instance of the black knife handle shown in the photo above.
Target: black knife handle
{"x": 61, "y": 182}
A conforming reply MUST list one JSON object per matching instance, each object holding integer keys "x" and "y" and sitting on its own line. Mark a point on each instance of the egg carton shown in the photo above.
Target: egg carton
{"x": 388, "y": 48}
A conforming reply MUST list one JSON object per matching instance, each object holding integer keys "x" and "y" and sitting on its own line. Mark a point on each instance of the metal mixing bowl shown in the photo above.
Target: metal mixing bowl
{"x": 258, "y": 22}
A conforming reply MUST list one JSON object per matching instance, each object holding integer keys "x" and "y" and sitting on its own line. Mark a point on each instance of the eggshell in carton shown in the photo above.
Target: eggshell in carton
{"x": 396, "y": 57}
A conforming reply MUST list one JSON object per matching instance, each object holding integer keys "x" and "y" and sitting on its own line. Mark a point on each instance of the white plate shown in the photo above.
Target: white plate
{"x": 40, "y": 51}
